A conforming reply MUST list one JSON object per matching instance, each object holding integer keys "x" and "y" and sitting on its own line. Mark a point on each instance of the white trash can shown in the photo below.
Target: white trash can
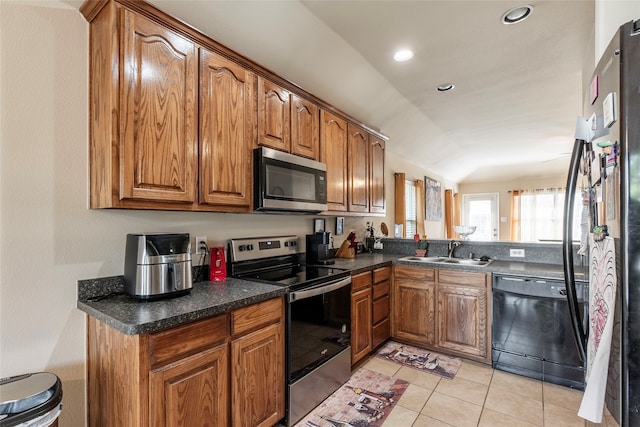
{"x": 30, "y": 400}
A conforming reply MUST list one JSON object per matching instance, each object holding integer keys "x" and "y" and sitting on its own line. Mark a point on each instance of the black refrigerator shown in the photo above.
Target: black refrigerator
{"x": 612, "y": 181}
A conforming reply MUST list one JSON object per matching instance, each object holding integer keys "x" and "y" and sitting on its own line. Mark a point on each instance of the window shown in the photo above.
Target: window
{"x": 537, "y": 215}
{"x": 410, "y": 208}
{"x": 409, "y": 205}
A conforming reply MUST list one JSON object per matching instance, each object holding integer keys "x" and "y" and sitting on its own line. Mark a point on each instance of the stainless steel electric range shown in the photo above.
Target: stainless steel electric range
{"x": 318, "y": 316}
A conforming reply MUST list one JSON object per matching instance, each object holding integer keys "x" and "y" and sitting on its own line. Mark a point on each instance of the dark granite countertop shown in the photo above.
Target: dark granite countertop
{"x": 206, "y": 299}
{"x": 365, "y": 261}
{"x": 210, "y": 298}
{"x": 529, "y": 269}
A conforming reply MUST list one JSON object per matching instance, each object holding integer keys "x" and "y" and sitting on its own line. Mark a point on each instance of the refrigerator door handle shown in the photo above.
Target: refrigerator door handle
{"x": 567, "y": 250}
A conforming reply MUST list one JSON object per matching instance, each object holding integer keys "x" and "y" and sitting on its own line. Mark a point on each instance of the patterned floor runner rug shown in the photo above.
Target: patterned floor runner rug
{"x": 364, "y": 401}
{"x": 420, "y": 359}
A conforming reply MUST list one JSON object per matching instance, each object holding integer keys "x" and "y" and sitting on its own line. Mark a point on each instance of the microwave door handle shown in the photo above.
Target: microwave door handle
{"x": 319, "y": 290}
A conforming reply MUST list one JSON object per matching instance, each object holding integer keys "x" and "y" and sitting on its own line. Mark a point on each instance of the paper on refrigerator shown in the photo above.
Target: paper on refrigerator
{"x": 602, "y": 294}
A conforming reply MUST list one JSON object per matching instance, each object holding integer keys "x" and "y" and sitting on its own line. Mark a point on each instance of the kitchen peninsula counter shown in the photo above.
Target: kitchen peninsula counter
{"x": 104, "y": 300}
{"x": 368, "y": 261}
{"x": 526, "y": 269}
{"x": 132, "y": 317}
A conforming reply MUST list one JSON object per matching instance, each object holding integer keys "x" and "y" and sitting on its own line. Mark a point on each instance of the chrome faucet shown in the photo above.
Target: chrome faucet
{"x": 453, "y": 244}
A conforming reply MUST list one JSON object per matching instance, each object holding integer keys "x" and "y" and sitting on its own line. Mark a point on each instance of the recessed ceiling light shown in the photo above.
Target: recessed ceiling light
{"x": 517, "y": 14}
{"x": 444, "y": 87}
{"x": 403, "y": 55}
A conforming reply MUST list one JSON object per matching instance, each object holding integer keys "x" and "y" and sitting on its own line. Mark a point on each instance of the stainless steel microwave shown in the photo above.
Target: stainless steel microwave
{"x": 288, "y": 183}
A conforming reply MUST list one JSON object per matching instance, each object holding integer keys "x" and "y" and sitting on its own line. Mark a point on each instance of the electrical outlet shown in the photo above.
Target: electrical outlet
{"x": 199, "y": 247}
{"x": 516, "y": 253}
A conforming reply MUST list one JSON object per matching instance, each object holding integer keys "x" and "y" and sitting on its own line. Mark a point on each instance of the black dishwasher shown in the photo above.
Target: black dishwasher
{"x": 531, "y": 329}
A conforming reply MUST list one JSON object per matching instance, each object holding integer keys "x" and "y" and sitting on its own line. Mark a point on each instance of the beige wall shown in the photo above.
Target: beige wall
{"x": 504, "y": 197}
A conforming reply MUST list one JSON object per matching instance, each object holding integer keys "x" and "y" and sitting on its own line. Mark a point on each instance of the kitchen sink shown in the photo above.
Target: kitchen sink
{"x": 444, "y": 260}
{"x": 422, "y": 259}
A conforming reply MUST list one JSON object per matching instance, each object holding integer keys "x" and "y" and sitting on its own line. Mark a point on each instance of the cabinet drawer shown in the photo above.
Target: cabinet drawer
{"x": 381, "y": 332}
{"x": 360, "y": 281}
{"x": 254, "y": 316}
{"x": 380, "y": 309}
{"x": 381, "y": 289}
{"x": 463, "y": 278}
{"x": 417, "y": 273}
{"x": 179, "y": 342}
{"x": 380, "y": 274}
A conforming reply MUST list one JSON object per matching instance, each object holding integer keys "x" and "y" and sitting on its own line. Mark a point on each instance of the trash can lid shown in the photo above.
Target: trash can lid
{"x": 32, "y": 394}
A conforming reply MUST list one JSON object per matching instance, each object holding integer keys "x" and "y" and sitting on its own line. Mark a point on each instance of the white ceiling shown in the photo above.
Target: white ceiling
{"x": 518, "y": 87}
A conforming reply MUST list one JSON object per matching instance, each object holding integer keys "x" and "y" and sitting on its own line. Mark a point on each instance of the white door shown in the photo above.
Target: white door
{"x": 481, "y": 210}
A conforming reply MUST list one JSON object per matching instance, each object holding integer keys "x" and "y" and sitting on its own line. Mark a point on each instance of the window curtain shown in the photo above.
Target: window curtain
{"x": 450, "y": 218}
{"x": 515, "y": 215}
{"x": 420, "y": 207}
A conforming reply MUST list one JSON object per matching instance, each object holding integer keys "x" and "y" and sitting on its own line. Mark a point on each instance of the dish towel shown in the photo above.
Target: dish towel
{"x": 602, "y": 293}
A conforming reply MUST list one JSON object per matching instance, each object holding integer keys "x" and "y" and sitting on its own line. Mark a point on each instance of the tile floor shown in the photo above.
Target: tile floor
{"x": 481, "y": 396}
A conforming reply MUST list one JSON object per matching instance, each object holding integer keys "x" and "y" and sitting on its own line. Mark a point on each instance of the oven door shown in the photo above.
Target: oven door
{"x": 284, "y": 182}
{"x": 319, "y": 351}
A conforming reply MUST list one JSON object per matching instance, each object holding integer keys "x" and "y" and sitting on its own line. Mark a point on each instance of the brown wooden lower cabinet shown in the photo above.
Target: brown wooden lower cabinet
{"x": 191, "y": 390}
{"x": 414, "y": 304}
{"x": 226, "y": 370}
{"x": 257, "y": 378}
{"x": 443, "y": 309}
{"x": 461, "y": 323}
{"x": 464, "y": 314}
{"x": 361, "y": 315}
{"x": 370, "y": 310}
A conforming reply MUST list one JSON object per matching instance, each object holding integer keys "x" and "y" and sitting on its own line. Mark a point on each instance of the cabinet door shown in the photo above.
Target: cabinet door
{"x": 333, "y": 152}
{"x": 191, "y": 392}
{"x": 361, "y": 321}
{"x": 305, "y": 128}
{"x": 226, "y": 132}
{"x": 158, "y": 113}
{"x": 358, "y": 178}
{"x": 274, "y": 116}
{"x": 376, "y": 172}
{"x": 414, "y": 312}
{"x": 257, "y": 377}
{"x": 462, "y": 319}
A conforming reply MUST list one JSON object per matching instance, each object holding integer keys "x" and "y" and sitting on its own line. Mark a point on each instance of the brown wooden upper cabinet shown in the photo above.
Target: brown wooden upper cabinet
{"x": 274, "y": 116}
{"x": 286, "y": 121}
{"x": 226, "y": 121}
{"x": 174, "y": 117}
{"x": 305, "y": 128}
{"x": 358, "y": 169}
{"x": 333, "y": 152}
{"x": 377, "y": 200}
{"x": 144, "y": 147}
{"x": 144, "y": 131}
{"x": 364, "y": 178}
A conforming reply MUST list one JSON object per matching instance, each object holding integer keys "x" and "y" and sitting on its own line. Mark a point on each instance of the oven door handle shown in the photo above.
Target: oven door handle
{"x": 320, "y": 289}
